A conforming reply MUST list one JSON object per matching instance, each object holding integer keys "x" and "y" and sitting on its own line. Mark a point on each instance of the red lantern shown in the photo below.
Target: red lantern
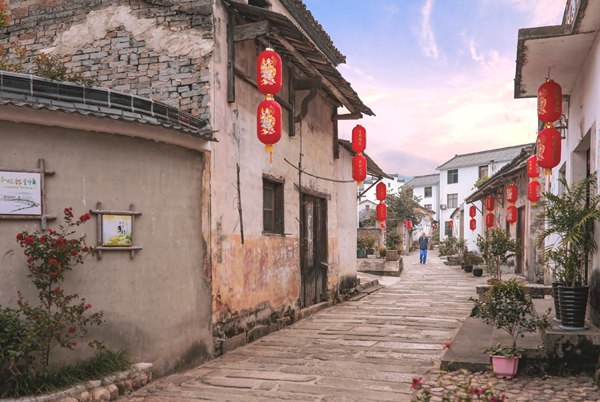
{"x": 381, "y": 212}
{"x": 549, "y": 101}
{"x": 450, "y": 224}
{"x": 511, "y": 214}
{"x": 512, "y": 193}
{"x": 268, "y": 72}
{"x": 489, "y": 203}
{"x": 359, "y": 139}
{"x": 473, "y": 224}
{"x": 533, "y": 192}
{"x": 409, "y": 225}
{"x": 548, "y": 148}
{"x": 533, "y": 170}
{"x": 359, "y": 169}
{"x": 381, "y": 191}
{"x": 472, "y": 211}
{"x": 489, "y": 220}
{"x": 435, "y": 226}
{"x": 269, "y": 123}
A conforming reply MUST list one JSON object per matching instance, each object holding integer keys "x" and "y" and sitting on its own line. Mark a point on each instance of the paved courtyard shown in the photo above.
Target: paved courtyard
{"x": 364, "y": 350}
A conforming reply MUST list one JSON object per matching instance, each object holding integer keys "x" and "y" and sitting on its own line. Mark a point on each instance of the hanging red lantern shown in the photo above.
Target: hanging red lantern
{"x": 533, "y": 192}
{"x": 473, "y": 224}
{"x": 549, "y": 101}
{"x": 450, "y": 224}
{"x": 435, "y": 226}
{"x": 381, "y": 191}
{"x": 268, "y": 72}
{"x": 548, "y": 148}
{"x": 409, "y": 225}
{"x": 489, "y": 220}
{"x": 512, "y": 193}
{"x": 381, "y": 212}
{"x": 489, "y": 203}
{"x": 359, "y": 139}
{"x": 359, "y": 169}
{"x": 472, "y": 211}
{"x": 533, "y": 169}
{"x": 269, "y": 123}
{"x": 511, "y": 214}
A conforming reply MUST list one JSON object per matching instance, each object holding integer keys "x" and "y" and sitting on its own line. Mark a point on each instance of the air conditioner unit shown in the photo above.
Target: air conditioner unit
{"x": 443, "y": 206}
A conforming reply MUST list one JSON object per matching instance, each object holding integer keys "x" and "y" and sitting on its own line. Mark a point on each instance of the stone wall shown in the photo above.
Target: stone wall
{"x": 156, "y": 49}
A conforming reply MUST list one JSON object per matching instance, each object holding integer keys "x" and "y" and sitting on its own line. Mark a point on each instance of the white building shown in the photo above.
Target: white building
{"x": 572, "y": 51}
{"x": 457, "y": 180}
{"x": 428, "y": 189}
{"x": 393, "y": 184}
{"x": 365, "y": 207}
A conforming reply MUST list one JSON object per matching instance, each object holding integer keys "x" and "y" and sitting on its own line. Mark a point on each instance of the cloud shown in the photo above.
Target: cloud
{"x": 426, "y": 36}
{"x": 543, "y": 12}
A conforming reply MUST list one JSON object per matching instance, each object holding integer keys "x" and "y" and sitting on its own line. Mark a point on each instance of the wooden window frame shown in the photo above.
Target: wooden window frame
{"x": 276, "y": 224}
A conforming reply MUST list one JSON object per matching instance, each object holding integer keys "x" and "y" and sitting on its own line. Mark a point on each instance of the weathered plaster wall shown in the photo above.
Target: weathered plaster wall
{"x": 584, "y": 117}
{"x": 153, "y": 50}
{"x": 157, "y": 305}
{"x": 259, "y": 281}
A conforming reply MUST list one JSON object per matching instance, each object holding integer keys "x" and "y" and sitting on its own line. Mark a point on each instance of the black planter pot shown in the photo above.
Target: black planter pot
{"x": 468, "y": 268}
{"x": 556, "y": 297}
{"x": 477, "y": 271}
{"x": 573, "y": 305}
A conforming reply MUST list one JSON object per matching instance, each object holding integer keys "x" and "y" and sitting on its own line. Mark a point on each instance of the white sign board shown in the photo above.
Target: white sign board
{"x": 20, "y": 193}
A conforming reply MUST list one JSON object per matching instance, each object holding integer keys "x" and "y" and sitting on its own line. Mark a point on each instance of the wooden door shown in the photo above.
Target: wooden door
{"x": 313, "y": 257}
{"x": 521, "y": 239}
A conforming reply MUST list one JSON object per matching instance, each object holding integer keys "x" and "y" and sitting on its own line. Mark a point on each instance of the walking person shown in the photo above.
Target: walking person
{"x": 423, "y": 240}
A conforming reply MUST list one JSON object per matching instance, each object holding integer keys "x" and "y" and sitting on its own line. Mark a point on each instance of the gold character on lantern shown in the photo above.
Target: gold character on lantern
{"x": 268, "y": 71}
{"x": 267, "y": 121}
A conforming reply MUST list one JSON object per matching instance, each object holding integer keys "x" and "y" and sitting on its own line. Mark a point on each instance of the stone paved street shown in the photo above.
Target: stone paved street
{"x": 365, "y": 350}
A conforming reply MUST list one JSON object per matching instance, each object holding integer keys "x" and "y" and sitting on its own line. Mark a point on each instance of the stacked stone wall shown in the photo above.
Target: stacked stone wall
{"x": 157, "y": 49}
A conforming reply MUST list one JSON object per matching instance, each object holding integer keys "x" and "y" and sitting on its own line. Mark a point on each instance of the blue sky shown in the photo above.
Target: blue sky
{"x": 437, "y": 73}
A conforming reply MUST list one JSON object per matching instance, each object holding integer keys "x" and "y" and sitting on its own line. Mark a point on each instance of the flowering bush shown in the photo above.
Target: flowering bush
{"x": 457, "y": 387}
{"x": 59, "y": 318}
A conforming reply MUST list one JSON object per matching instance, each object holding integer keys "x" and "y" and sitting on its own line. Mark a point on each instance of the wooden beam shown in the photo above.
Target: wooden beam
{"x": 326, "y": 83}
{"x": 351, "y": 116}
{"x": 292, "y": 98}
{"x": 251, "y": 31}
{"x": 336, "y": 145}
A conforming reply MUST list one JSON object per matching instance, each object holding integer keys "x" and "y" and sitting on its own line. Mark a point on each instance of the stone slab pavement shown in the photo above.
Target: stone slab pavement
{"x": 364, "y": 350}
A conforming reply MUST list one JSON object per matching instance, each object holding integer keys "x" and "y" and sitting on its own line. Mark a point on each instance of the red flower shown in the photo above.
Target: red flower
{"x": 416, "y": 381}
{"x": 29, "y": 240}
{"x": 43, "y": 239}
{"x": 85, "y": 249}
{"x": 63, "y": 247}
{"x": 20, "y": 236}
{"x": 89, "y": 306}
{"x": 84, "y": 218}
{"x": 53, "y": 273}
{"x": 68, "y": 212}
{"x": 60, "y": 241}
{"x": 74, "y": 253}
{"x": 52, "y": 261}
{"x": 30, "y": 260}
{"x": 478, "y": 391}
{"x": 57, "y": 290}
{"x": 74, "y": 343}
{"x": 447, "y": 345}
{"x": 71, "y": 330}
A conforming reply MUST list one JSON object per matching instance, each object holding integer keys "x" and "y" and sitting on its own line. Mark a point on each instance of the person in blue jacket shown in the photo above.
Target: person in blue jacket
{"x": 423, "y": 240}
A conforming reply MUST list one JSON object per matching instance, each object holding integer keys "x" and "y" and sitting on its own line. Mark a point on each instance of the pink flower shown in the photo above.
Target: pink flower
{"x": 478, "y": 391}
{"x": 416, "y": 381}
{"x": 447, "y": 345}
{"x": 57, "y": 290}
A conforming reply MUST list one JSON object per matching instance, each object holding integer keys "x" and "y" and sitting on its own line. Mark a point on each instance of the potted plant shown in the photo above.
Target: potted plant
{"x": 568, "y": 241}
{"x": 392, "y": 240}
{"x": 473, "y": 259}
{"x": 361, "y": 247}
{"x": 382, "y": 252}
{"x": 507, "y": 306}
{"x": 369, "y": 243}
{"x": 496, "y": 248}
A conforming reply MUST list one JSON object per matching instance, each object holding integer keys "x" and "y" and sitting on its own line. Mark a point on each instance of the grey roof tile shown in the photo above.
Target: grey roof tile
{"x": 427, "y": 180}
{"x": 483, "y": 157}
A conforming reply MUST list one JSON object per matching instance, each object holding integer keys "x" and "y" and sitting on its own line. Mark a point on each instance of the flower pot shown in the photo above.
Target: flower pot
{"x": 392, "y": 255}
{"x": 468, "y": 268}
{"x": 477, "y": 271}
{"x": 361, "y": 253}
{"x": 573, "y": 305}
{"x": 505, "y": 366}
{"x": 556, "y": 297}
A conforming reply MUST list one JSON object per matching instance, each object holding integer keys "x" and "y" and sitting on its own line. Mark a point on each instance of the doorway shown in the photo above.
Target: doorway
{"x": 521, "y": 240}
{"x": 313, "y": 256}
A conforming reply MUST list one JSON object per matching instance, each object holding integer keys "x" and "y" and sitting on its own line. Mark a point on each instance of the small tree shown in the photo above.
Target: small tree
{"x": 392, "y": 239}
{"x": 496, "y": 248}
{"x": 508, "y": 307}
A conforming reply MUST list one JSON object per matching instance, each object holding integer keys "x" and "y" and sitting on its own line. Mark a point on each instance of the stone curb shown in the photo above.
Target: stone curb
{"x": 108, "y": 388}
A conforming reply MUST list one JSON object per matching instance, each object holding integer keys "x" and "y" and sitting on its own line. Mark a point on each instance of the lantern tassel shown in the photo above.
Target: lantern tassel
{"x": 269, "y": 149}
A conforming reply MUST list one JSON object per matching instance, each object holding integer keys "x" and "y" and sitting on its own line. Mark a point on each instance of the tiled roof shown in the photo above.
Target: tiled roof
{"x": 483, "y": 157}
{"x": 39, "y": 93}
{"x": 427, "y": 180}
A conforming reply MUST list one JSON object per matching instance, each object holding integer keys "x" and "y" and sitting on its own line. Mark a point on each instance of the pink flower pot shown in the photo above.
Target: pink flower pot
{"x": 505, "y": 366}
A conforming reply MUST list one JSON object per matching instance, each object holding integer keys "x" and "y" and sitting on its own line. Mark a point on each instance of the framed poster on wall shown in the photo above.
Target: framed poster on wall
{"x": 20, "y": 193}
